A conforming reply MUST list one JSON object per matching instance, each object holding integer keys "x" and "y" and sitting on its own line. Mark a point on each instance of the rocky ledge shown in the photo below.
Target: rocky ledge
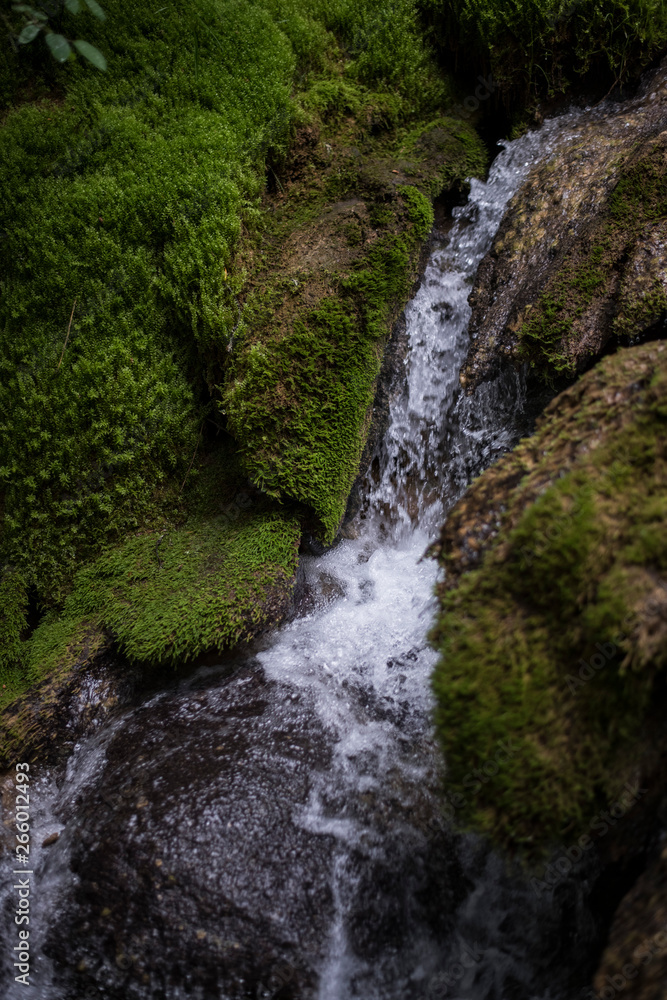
{"x": 579, "y": 263}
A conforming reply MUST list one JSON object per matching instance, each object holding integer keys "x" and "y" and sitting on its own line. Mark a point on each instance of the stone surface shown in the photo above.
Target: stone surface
{"x": 579, "y": 260}
{"x": 198, "y": 870}
{"x": 635, "y": 960}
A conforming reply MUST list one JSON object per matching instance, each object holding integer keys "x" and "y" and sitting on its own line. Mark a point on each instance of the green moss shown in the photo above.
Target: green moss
{"x": 337, "y": 264}
{"x": 298, "y": 406}
{"x": 334, "y": 99}
{"x": 420, "y": 211}
{"x": 571, "y": 579}
{"x": 13, "y": 624}
{"x": 168, "y": 597}
{"x": 121, "y": 210}
{"x": 165, "y": 594}
{"x": 451, "y": 148}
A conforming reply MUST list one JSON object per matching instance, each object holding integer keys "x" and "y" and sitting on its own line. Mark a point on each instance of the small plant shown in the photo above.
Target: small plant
{"x": 36, "y": 22}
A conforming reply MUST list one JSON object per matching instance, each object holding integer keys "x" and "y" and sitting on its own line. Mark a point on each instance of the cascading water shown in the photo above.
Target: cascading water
{"x": 294, "y": 794}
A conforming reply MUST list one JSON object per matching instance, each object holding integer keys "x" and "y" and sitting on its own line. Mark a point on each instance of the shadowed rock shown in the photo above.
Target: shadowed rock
{"x": 580, "y": 259}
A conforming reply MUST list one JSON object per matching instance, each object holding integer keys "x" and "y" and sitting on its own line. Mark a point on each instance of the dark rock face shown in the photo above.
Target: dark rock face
{"x": 635, "y": 960}
{"x": 193, "y": 867}
{"x": 580, "y": 258}
{"x": 199, "y": 872}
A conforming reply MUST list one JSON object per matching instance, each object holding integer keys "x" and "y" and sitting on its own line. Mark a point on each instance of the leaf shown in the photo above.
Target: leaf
{"x": 60, "y": 47}
{"x": 73, "y": 6}
{"x": 90, "y": 53}
{"x": 36, "y": 15}
{"x": 29, "y": 32}
{"x": 95, "y": 9}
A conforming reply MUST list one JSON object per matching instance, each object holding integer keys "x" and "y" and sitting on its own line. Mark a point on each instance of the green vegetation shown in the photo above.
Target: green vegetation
{"x": 31, "y": 23}
{"x": 141, "y": 287}
{"x": 302, "y": 377}
{"x": 546, "y": 45}
{"x": 167, "y": 598}
{"x": 553, "y": 642}
{"x": 122, "y": 204}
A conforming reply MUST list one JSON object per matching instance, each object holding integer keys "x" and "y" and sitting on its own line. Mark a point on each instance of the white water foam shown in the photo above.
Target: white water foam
{"x": 373, "y": 639}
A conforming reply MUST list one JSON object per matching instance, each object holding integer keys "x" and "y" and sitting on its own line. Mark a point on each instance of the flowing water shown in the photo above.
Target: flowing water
{"x": 292, "y": 795}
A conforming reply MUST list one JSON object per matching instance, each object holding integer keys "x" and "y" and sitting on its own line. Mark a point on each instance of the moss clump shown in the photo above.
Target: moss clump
{"x": 166, "y": 594}
{"x": 168, "y": 597}
{"x": 337, "y": 264}
{"x": 627, "y": 240}
{"x": 547, "y": 45}
{"x": 554, "y": 611}
{"x": 13, "y": 625}
{"x": 121, "y": 210}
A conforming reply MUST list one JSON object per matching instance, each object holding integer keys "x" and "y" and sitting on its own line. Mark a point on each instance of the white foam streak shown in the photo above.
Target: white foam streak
{"x": 365, "y": 659}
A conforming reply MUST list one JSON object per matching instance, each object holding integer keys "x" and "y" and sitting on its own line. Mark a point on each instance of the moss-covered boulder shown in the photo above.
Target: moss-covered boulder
{"x": 553, "y": 624}
{"x": 329, "y": 273}
{"x": 580, "y": 259}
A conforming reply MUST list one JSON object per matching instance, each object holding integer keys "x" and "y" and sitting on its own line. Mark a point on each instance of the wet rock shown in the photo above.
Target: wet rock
{"x": 197, "y": 866}
{"x": 193, "y": 866}
{"x": 84, "y": 689}
{"x": 635, "y": 960}
{"x": 580, "y": 259}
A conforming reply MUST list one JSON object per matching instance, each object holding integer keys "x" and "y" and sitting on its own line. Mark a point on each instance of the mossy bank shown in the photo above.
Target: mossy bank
{"x": 203, "y": 252}
{"x": 554, "y": 613}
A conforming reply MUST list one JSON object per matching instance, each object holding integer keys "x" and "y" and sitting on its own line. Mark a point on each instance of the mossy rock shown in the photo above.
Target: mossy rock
{"x": 579, "y": 262}
{"x": 553, "y": 622}
{"x": 328, "y": 277}
{"x": 159, "y": 599}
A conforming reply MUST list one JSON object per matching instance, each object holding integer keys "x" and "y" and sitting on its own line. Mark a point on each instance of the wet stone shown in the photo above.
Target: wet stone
{"x": 192, "y": 865}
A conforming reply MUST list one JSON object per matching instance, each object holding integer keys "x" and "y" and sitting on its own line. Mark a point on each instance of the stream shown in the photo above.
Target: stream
{"x": 273, "y": 826}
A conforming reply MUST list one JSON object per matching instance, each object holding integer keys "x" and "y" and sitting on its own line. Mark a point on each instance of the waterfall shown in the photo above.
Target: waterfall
{"x": 402, "y": 899}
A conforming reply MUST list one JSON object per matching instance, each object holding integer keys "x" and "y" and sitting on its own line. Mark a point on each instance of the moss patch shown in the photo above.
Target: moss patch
{"x": 330, "y": 273}
{"x": 554, "y": 609}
